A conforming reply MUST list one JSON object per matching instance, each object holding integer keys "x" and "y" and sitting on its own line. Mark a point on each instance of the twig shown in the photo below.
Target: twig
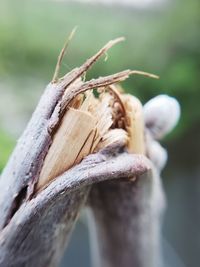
{"x": 147, "y": 74}
{"x": 61, "y": 56}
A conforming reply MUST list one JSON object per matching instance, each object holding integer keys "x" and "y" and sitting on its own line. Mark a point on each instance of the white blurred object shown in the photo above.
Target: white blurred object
{"x": 161, "y": 115}
{"x": 156, "y": 153}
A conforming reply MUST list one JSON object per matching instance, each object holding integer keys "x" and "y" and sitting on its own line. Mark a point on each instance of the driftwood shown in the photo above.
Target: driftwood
{"x": 39, "y": 231}
{"x": 125, "y": 218}
{"x": 125, "y": 211}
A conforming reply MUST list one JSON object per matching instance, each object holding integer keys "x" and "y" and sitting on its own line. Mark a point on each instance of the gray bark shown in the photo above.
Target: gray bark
{"x": 125, "y": 219}
{"x": 40, "y": 229}
{"x": 35, "y": 228}
{"x": 22, "y": 171}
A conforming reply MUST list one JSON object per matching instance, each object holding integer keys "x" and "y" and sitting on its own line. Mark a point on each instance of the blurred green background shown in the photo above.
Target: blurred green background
{"x": 162, "y": 37}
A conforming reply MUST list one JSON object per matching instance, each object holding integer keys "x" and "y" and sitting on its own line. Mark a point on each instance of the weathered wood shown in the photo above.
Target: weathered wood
{"x": 125, "y": 217}
{"x": 22, "y": 171}
{"x": 26, "y": 161}
{"x": 124, "y": 222}
{"x": 40, "y": 229}
{"x": 35, "y": 226}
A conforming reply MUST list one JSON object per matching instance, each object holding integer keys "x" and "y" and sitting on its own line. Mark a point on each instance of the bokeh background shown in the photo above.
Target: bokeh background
{"x": 162, "y": 37}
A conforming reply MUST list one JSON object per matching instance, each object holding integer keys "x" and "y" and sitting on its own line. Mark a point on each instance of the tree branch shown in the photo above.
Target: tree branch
{"x": 124, "y": 222}
{"x": 40, "y": 229}
{"x": 35, "y": 226}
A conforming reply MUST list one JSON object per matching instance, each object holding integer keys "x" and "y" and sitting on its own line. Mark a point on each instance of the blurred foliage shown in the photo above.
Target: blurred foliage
{"x": 6, "y": 145}
{"x": 161, "y": 40}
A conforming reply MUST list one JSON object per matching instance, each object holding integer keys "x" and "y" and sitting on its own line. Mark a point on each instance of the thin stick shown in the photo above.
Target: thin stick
{"x": 62, "y": 54}
{"x": 78, "y": 72}
{"x": 147, "y": 74}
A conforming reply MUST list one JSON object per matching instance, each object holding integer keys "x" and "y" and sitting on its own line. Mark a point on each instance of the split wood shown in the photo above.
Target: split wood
{"x": 82, "y": 149}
